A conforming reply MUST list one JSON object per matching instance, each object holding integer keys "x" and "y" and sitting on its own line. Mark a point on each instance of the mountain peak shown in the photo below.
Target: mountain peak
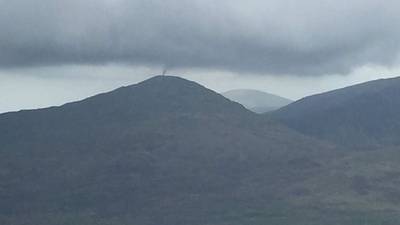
{"x": 166, "y": 78}
{"x": 153, "y": 98}
{"x": 257, "y": 101}
{"x": 167, "y": 83}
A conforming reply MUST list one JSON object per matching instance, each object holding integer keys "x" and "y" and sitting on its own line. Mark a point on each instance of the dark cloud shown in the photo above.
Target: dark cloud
{"x": 311, "y": 37}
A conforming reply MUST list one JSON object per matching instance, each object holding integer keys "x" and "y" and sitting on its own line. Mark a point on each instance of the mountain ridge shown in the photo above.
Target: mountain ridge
{"x": 362, "y": 115}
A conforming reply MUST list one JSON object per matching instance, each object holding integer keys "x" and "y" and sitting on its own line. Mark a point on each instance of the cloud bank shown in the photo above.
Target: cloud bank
{"x": 314, "y": 37}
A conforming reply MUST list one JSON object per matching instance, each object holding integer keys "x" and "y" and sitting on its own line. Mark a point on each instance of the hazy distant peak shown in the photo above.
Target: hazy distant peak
{"x": 257, "y": 101}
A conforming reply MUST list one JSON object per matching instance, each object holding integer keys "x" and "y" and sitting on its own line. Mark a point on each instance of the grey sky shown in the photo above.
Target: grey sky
{"x": 315, "y": 44}
{"x": 310, "y": 37}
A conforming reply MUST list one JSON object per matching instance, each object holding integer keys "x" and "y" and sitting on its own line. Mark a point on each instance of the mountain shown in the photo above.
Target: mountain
{"x": 164, "y": 151}
{"x": 366, "y": 115}
{"x": 256, "y": 101}
{"x": 170, "y": 151}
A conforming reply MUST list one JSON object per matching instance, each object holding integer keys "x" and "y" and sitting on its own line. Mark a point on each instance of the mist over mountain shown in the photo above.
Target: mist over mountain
{"x": 257, "y": 101}
{"x": 366, "y": 115}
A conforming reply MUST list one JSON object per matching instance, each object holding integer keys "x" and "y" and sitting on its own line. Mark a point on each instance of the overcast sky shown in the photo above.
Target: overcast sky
{"x": 54, "y": 51}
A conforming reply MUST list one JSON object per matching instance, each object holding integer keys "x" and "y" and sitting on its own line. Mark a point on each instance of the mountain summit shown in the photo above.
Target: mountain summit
{"x": 160, "y": 95}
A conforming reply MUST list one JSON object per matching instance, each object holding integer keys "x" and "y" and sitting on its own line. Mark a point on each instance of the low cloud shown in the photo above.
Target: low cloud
{"x": 314, "y": 37}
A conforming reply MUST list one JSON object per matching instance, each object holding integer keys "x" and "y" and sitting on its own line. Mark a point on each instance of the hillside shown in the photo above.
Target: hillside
{"x": 169, "y": 151}
{"x": 362, "y": 116}
{"x": 257, "y": 101}
{"x": 165, "y": 149}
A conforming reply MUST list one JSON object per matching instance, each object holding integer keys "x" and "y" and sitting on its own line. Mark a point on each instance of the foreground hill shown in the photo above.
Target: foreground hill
{"x": 169, "y": 151}
{"x": 257, "y": 101}
{"x": 363, "y": 115}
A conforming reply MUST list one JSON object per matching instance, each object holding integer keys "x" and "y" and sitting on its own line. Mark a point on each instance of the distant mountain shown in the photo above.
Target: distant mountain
{"x": 170, "y": 151}
{"x": 363, "y": 115}
{"x": 257, "y": 101}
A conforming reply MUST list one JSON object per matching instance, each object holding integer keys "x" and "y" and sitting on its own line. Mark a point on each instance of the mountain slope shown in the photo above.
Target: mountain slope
{"x": 169, "y": 151}
{"x": 363, "y": 115}
{"x": 164, "y": 151}
{"x": 257, "y": 101}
